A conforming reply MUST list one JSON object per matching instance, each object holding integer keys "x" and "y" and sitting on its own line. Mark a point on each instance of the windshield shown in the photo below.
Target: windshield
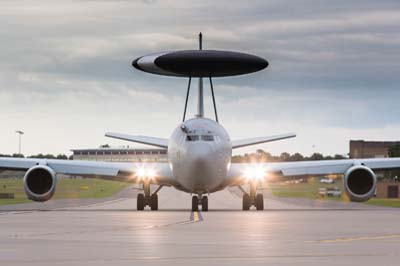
{"x": 207, "y": 137}
{"x": 200, "y": 137}
{"x": 192, "y": 137}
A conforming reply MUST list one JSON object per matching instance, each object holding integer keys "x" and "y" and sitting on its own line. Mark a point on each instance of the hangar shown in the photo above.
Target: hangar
{"x": 370, "y": 149}
{"x": 122, "y": 154}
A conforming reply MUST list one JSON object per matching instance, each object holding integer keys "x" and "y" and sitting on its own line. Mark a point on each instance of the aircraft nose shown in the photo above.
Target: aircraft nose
{"x": 201, "y": 154}
{"x": 202, "y": 167}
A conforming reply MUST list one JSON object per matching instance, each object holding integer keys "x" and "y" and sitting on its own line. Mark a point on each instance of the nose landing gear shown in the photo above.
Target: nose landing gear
{"x": 203, "y": 202}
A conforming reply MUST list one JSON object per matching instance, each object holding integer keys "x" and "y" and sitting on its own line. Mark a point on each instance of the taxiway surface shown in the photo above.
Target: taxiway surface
{"x": 288, "y": 232}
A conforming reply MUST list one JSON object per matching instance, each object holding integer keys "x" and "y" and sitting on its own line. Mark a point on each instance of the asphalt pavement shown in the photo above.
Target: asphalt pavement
{"x": 111, "y": 232}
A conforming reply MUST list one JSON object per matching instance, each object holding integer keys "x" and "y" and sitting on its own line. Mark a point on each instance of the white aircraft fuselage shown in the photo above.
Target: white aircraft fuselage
{"x": 199, "y": 153}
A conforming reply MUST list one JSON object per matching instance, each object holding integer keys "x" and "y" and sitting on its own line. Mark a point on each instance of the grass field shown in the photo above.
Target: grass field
{"x": 302, "y": 190}
{"x": 66, "y": 188}
{"x": 385, "y": 202}
{"x": 310, "y": 190}
{"x": 97, "y": 188}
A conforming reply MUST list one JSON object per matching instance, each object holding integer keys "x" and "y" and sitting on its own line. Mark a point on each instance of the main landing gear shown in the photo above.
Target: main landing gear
{"x": 147, "y": 198}
{"x": 253, "y": 198}
{"x": 203, "y": 202}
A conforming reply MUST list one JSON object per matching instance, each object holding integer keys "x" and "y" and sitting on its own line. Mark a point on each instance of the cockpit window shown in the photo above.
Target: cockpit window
{"x": 192, "y": 137}
{"x": 207, "y": 137}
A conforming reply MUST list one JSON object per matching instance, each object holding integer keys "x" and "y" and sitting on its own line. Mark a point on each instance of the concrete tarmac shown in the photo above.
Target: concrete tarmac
{"x": 111, "y": 232}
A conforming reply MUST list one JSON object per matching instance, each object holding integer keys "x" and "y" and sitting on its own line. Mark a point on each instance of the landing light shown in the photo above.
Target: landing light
{"x": 151, "y": 173}
{"x": 144, "y": 173}
{"x": 141, "y": 172}
{"x": 255, "y": 172}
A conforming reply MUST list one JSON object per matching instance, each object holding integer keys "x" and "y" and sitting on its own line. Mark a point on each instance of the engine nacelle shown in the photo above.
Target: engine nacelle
{"x": 360, "y": 183}
{"x": 40, "y": 183}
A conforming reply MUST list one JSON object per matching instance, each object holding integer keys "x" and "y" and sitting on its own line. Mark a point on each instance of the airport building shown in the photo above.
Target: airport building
{"x": 124, "y": 154}
{"x": 370, "y": 149}
{"x": 387, "y": 188}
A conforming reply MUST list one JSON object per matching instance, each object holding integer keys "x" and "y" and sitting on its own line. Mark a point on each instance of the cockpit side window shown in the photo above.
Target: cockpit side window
{"x": 207, "y": 137}
{"x": 192, "y": 137}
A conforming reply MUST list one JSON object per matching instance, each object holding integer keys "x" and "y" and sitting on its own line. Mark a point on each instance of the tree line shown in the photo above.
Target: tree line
{"x": 263, "y": 156}
{"x": 258, "y": 156}
{"x": 40, "y": 156}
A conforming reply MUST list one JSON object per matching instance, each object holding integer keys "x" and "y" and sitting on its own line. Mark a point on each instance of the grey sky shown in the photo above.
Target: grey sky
{"x": 66, "y": 78}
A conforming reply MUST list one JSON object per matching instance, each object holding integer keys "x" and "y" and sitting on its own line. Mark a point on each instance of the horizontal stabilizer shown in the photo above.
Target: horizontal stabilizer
{"x": 158, "y": 142}
{"x": 253, "y": 141}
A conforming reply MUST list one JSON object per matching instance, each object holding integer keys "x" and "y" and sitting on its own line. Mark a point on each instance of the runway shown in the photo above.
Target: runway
{"x": 288, "y": 232}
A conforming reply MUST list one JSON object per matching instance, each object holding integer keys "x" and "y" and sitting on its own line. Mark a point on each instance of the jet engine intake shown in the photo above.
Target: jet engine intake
{"x": 40, "y": 183}
{"x": 360, "y": 183}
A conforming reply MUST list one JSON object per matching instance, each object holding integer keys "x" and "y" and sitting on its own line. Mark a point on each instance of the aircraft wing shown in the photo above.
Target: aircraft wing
{"x": 272, "y": 171}
{"x": 158, "y": 142}
{"x": 131, "y": 172}
{"x": 253, "y": 141}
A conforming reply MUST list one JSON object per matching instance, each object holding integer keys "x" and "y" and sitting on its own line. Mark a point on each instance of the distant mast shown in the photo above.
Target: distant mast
{"x": 200, "y": 104}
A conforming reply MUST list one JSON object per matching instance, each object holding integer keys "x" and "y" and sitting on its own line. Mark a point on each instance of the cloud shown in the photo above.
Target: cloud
{"x": 65, "y": 69}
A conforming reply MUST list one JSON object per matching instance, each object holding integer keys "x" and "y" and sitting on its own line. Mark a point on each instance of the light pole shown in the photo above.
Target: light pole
{"x": 20, "y": 133}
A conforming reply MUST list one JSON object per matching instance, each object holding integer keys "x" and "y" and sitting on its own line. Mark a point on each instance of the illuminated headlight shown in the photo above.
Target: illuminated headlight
{"x": 256, "y": 172}
{"x": 146, "y": 173}
{"x": 141, "y": 172}
{"x": 151, "y": 173}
